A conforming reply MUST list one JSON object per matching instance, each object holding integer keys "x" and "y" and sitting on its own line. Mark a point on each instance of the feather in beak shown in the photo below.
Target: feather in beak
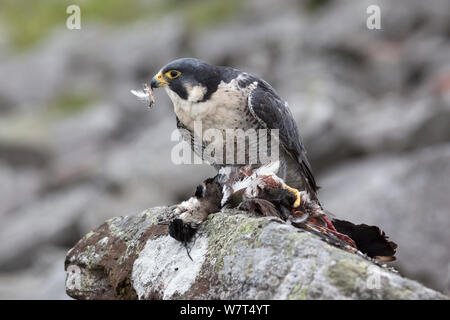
{"x": 145, "y": 95}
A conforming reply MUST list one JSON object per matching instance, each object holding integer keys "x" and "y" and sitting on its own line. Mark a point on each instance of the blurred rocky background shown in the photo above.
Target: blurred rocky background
{"x": 76, "y": 148}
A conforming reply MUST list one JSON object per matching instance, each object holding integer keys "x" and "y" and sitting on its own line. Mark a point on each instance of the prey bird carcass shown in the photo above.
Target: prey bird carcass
{"x": 260, "y": 191}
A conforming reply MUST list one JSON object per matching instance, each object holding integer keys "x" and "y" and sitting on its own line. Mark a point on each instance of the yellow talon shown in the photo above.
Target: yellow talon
{"x": 297, "y": 194}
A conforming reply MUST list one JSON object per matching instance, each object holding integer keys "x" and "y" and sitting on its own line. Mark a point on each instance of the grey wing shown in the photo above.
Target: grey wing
{"x": 270, "y": 110}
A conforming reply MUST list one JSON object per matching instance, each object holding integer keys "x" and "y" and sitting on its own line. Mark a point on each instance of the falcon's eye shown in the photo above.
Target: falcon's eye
{"x": 172, "y": 74}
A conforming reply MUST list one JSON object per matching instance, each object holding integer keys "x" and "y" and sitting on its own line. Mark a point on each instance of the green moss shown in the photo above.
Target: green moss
{"x": 151, "y": 216}
{"x": 344, "y": 274}
{"x": 235, "y": 228}
{"x": 26, "y": 22}
{"x": 293, "y": 239}
{"x": 69, "y": 103}
{"x": 205, "y": 13}
{"x": 315, "y": 5}
{"x": 248, "y": 269}
{"x": 247, "y": 228}
{"x": 112, "y": 225}
{"x": 88, "y": 235}
{"x": 90, "y": 252}
{"x": 300, "y": 292}
{"x": 401, "y": 294}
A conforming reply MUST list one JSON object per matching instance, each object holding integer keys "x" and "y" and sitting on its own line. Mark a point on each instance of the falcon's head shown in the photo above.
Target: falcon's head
{"x": 191, "y": 79}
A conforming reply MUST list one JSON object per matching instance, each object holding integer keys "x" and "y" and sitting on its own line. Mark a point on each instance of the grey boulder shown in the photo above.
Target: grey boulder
{"x": 234, "y": 256}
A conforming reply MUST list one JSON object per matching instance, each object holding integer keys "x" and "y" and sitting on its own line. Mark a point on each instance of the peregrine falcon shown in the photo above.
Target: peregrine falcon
{"x": 226, "y": 98}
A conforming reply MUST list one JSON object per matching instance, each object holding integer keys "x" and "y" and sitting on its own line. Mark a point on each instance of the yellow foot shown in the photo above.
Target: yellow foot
{"x": 297, "y": 194}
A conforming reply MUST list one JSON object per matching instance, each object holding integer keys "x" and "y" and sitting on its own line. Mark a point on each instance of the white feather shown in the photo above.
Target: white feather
{"x": 141, "y": 95}
{"x": 269, "y": 168}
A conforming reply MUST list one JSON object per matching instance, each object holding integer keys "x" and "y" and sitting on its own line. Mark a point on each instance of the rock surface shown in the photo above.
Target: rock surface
{"x": 235, "y": 256}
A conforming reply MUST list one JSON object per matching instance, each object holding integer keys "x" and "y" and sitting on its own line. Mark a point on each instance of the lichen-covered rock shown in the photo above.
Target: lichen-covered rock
{"x": 234, "y": 256}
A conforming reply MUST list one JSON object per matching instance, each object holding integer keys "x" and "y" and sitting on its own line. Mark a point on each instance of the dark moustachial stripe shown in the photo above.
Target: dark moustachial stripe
{"x": 195, "y": 72}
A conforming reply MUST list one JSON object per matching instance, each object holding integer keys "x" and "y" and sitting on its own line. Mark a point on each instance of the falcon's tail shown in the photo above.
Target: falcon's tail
{"x": 369, "y": 239}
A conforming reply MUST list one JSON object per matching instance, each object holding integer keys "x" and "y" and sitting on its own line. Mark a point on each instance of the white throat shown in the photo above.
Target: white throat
{"x": 218, "y": 111}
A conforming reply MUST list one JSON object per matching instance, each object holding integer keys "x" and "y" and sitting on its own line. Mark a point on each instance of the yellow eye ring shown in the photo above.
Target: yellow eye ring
{"x": 172, "y": 74}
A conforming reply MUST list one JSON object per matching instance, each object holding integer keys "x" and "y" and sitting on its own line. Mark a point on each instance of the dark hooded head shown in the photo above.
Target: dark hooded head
{"x": 182, "y": 75}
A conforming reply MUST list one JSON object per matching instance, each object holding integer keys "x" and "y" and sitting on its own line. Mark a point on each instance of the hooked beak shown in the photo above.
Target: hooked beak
{"x": 158, "y": 81}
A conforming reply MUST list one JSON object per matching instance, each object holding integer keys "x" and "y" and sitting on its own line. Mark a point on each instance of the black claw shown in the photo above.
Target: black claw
{"x": 188, "y": 251}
